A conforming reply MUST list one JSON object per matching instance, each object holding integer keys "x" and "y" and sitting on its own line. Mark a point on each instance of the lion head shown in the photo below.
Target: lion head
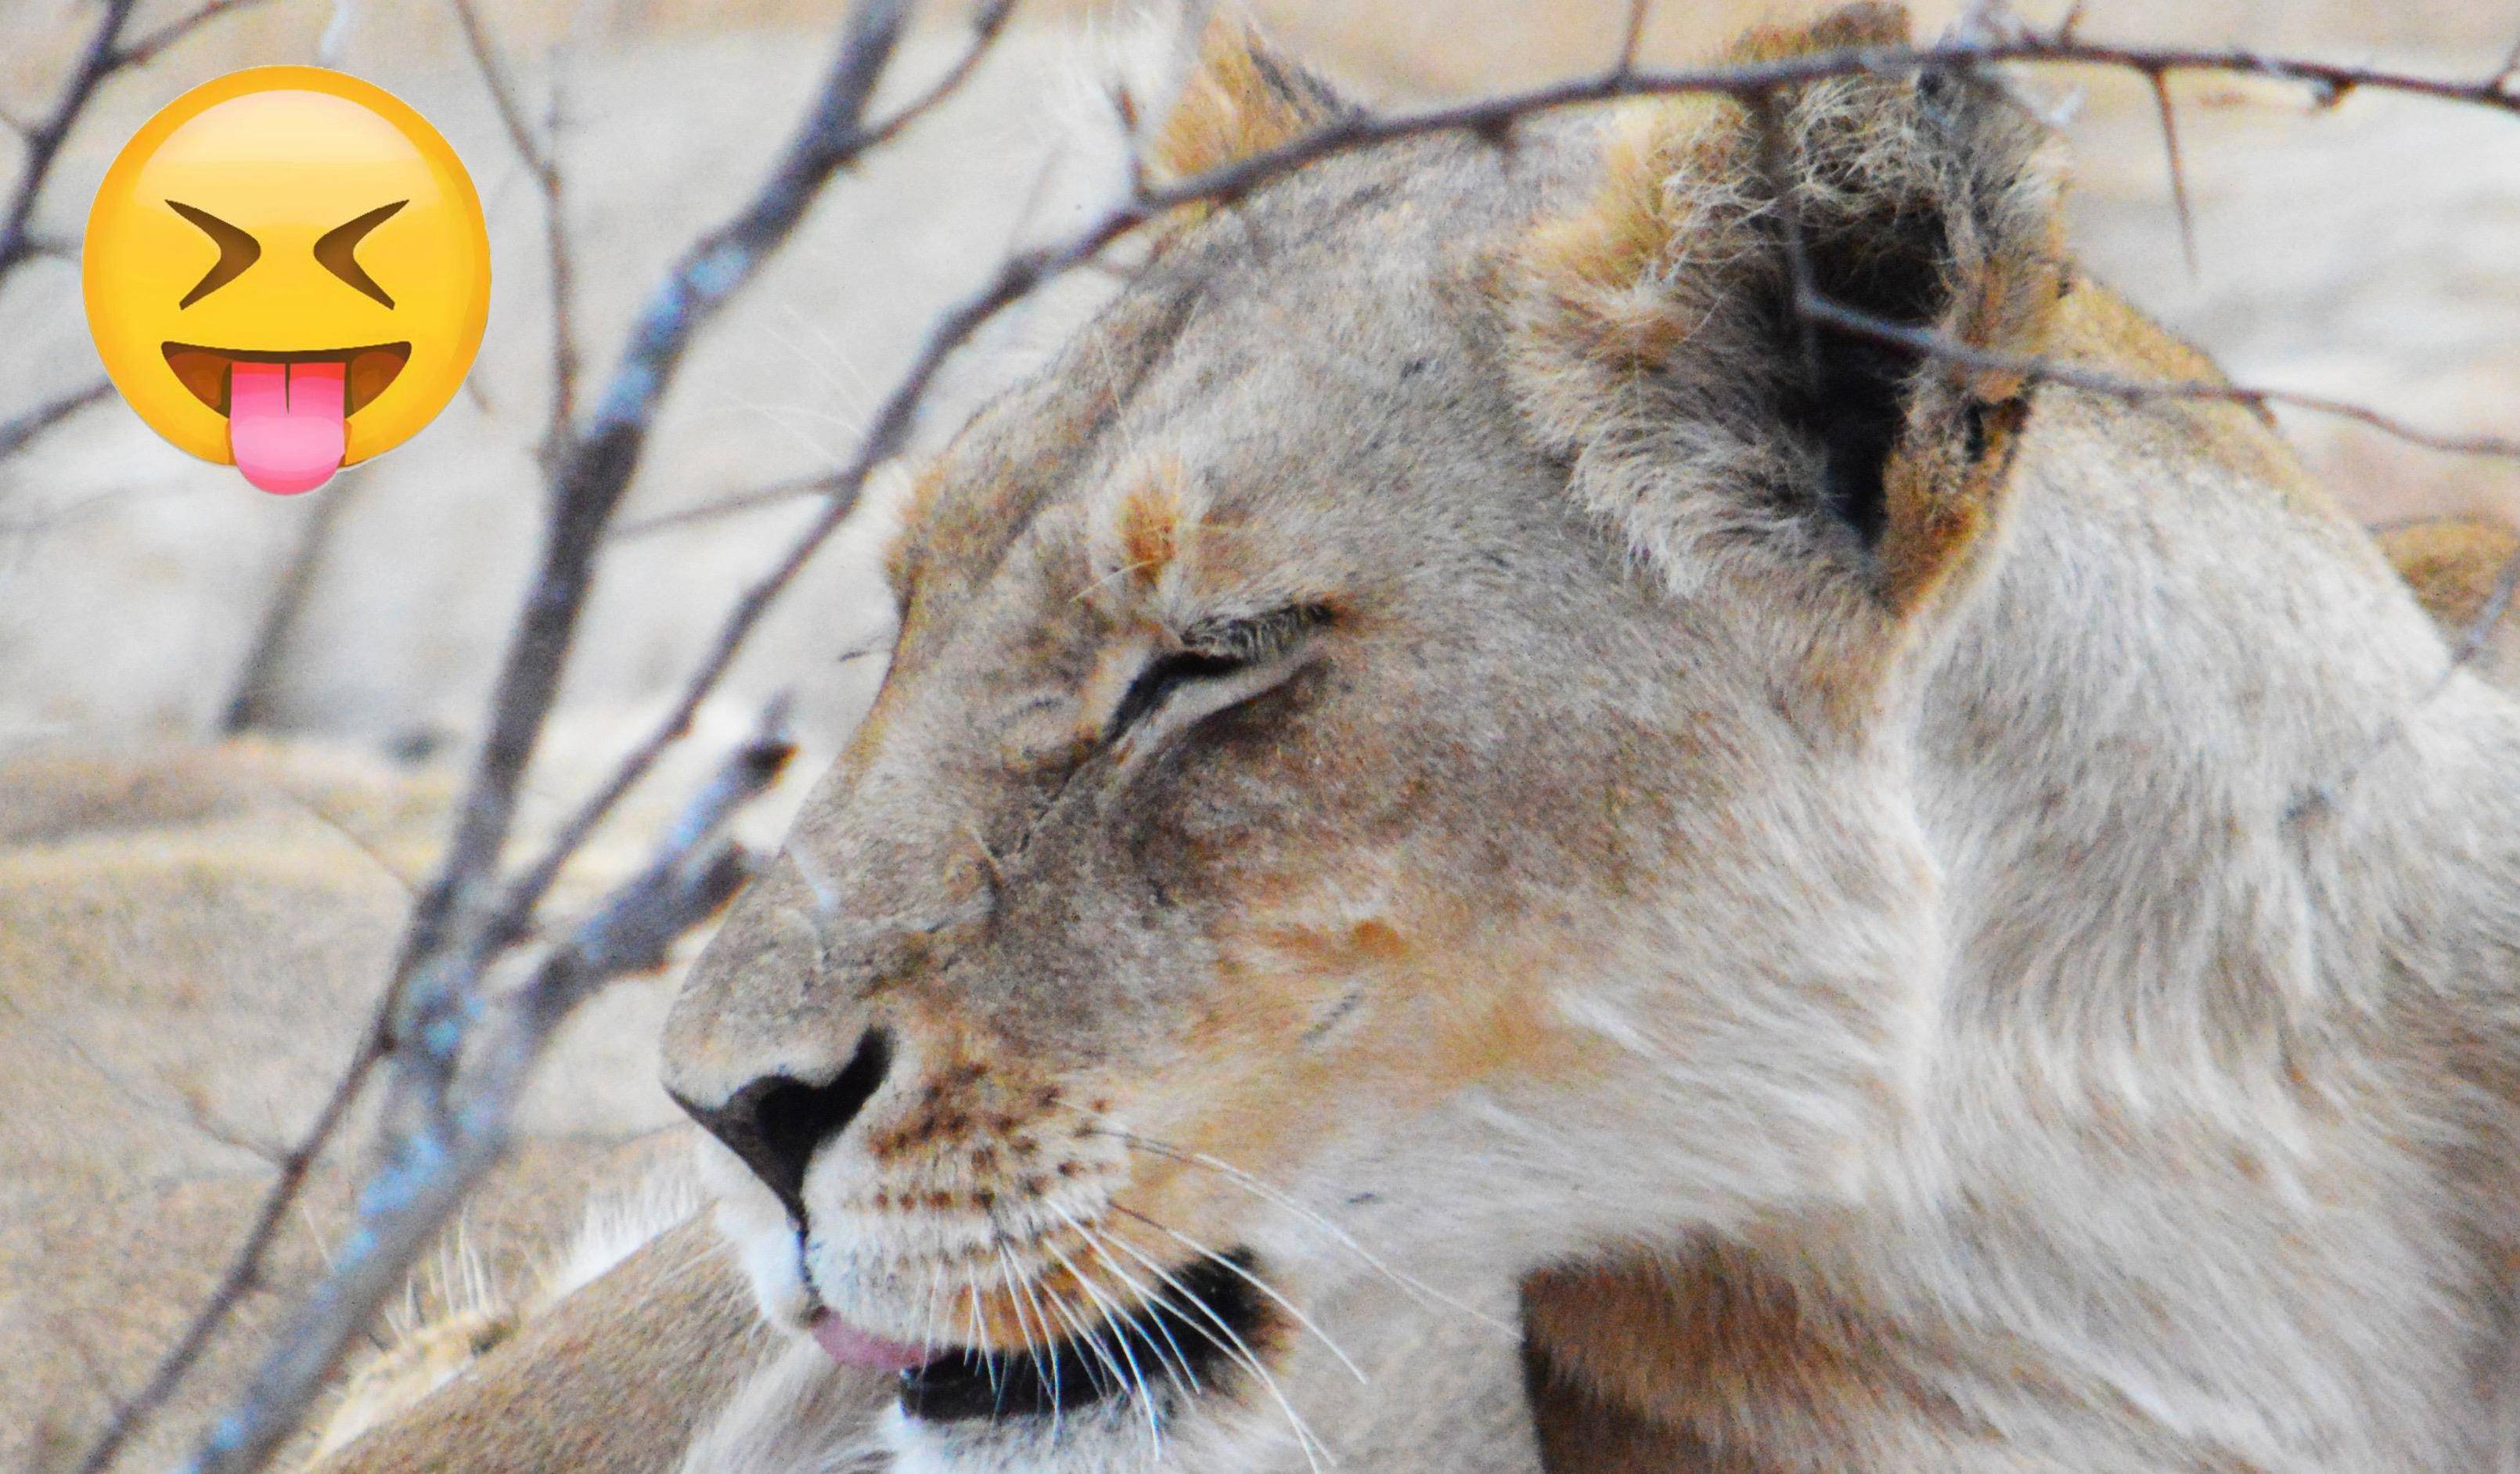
{"x": 1402, "y": 753}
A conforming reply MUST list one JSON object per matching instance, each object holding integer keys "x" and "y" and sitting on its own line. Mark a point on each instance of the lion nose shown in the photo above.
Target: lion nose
{"x": 777, "y": 1122}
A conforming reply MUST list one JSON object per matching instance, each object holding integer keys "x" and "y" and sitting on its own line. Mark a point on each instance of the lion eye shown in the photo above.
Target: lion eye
{"x": 1167, "y": 675}
{"x": 334, "y": 250}
{"x": 1212, "y": 651}
{"x": 236, "y": 251}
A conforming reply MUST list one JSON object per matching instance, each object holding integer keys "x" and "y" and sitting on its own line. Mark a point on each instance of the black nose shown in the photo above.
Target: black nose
{"x": 775, "y": 1123}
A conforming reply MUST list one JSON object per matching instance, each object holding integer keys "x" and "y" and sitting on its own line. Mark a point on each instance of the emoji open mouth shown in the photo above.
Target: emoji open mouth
{"x": 284, "y": 411}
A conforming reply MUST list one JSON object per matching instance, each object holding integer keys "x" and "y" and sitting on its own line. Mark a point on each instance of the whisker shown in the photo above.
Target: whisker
{"x": 1241, "y": 1355}
{"x": 1163, "y": 1323}
{"x": 1007, "y": 1277}
{"x": 1257, "y": 1283}
{"x": 1416, "y": 1288}
{"x": 979, "y": 1337}
{"x": 1109, "y": 1312}
{"x": 1090, "y": 1338}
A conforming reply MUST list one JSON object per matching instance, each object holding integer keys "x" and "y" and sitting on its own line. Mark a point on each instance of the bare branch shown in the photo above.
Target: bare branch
{"x": 1777, "y": 175}
{"x": 590, "y": 477}
{"x": 105, "y": 54}
{"x": 97, "y": 60}
{"x": 559, "y": 266}
{"x": 448, "y": 1121}
{"x": 147, "y": 46}
{"x": 2471, "y": 643}
{"x": 2045, "y": 370}
{"x": 987, "y": 26}
{"x": 428, "y": 1170}
{"x": 16, "y": 433}
{"x": 793, "y": 488}
{"x": 503, "y": 93}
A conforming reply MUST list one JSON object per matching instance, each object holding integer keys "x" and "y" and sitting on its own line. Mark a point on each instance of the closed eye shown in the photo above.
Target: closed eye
{"x": 336, "y": 250}
{"x": 1212, "y": 652}
{"x": 236, "y": 251}
{"x": 1159, "y": 680}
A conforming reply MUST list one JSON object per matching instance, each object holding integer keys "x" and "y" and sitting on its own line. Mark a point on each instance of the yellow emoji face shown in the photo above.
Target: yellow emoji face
{"x": 287, "y": 270}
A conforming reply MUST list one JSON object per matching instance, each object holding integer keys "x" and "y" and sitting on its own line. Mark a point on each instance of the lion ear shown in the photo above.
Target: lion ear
{"x": 1242, "y": 98}
{"x": 1657, "y": 341}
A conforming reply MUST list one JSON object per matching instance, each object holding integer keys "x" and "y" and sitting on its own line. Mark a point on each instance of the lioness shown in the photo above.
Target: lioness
{"x": 1928, "y": 921}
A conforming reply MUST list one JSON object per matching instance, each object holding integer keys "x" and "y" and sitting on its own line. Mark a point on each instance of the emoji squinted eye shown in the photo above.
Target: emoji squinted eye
{"x": 334, "y": 253}
{"x": 237, "y": 252}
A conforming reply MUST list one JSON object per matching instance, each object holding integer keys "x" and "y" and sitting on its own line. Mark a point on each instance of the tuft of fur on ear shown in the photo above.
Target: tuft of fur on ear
{"x": 1243, "y": 99}
{"x": 1656, "y": 346}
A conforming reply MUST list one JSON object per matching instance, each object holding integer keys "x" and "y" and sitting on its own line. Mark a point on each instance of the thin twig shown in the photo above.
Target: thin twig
{"x": 1778, "y": 178}
{"x": 2045, "y": 370}
{"x": 16, "y": 433}
{"x": 503, "y": 94}
{"x": 97, "y": 60}
{"x": 105, "y": 54}
{"x": 2472, "y": 641}
{"x": 542, "y": 161}
{"x": 793, "y": 488}
{"x": 428, "y": 1171}
{"x": 559, "y": 266}
{"x": 145, "y": 48}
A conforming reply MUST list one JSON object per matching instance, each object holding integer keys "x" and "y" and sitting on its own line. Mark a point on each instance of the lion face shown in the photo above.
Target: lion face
{"x": 1331, "y": 801}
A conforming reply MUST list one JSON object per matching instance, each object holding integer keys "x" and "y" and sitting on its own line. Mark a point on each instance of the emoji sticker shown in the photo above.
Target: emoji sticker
{"x": 287, "y": 270}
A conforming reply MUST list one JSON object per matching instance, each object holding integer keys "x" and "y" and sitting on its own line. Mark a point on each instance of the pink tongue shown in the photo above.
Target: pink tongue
{"x": 284, "y": 424}
{"x": 852, "y": 1346}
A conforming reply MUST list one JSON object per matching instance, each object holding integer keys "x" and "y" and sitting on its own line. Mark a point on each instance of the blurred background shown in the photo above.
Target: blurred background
{"x": 191, "y": 934}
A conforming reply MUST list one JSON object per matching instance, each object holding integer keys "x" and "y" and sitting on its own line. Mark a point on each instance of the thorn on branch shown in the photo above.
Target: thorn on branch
{"x": 2160, "y": 80}
{"x": 1632, "y": 42}
{"x": 1497, "y": 133}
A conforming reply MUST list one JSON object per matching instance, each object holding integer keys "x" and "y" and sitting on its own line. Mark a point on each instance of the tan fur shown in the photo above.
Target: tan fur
{"x": 2454, "y": 565}
{"x": 190, "y": 941}
{"x": 1241, "y": 100}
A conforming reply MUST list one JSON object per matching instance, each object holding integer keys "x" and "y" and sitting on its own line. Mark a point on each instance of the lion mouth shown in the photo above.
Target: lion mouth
{"x": 1209, "y": 1321}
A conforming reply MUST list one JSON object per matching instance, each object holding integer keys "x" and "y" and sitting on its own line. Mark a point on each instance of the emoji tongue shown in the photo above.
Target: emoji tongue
{"x": 284, "y": 424}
